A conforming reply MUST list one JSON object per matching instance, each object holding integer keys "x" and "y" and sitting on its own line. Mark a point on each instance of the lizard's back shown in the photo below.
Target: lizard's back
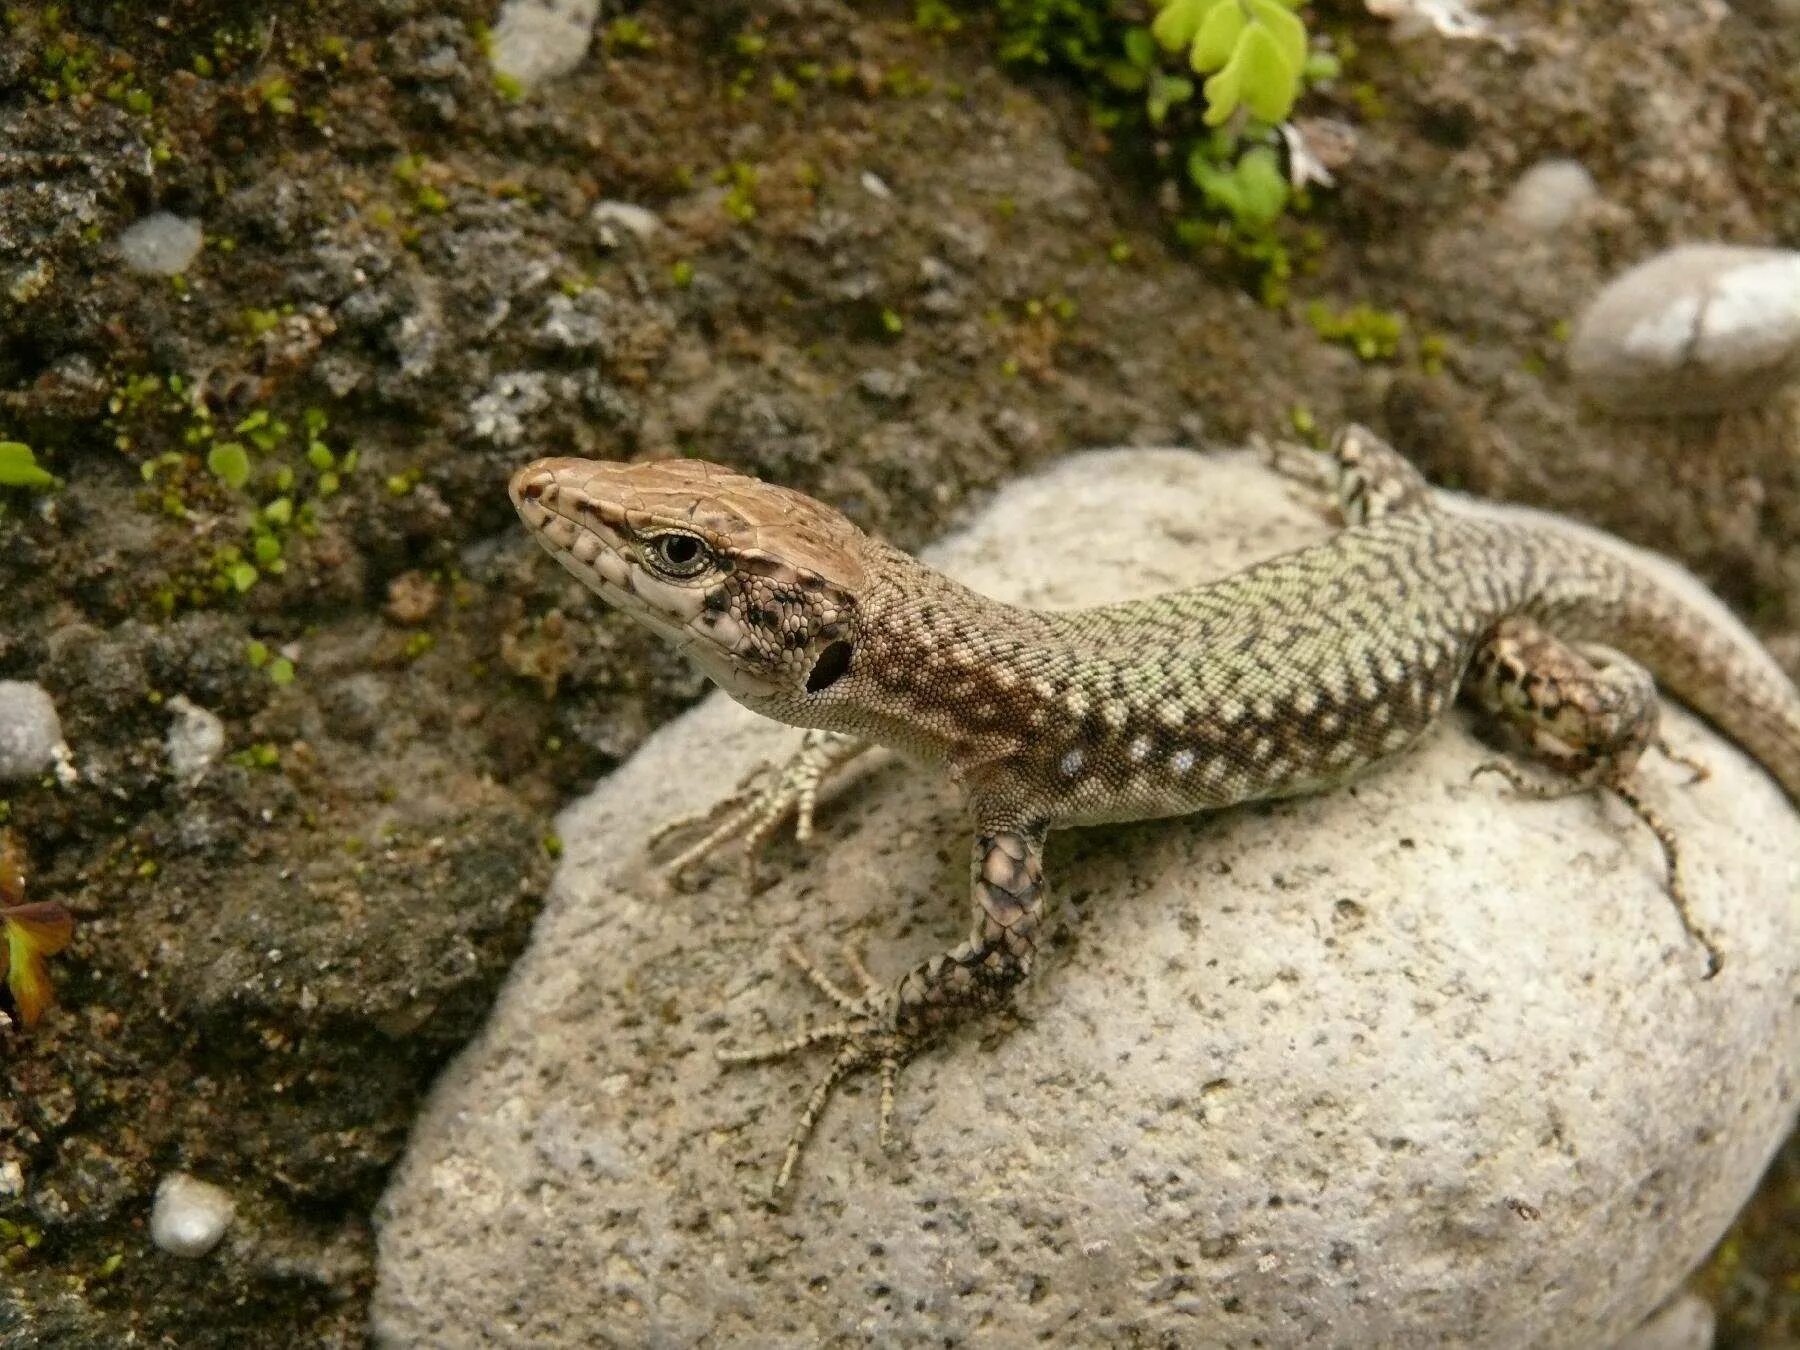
{"x": 1305, "y": 669}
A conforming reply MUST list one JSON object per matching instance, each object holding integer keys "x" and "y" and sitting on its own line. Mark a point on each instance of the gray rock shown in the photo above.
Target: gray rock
{"x": 581, "y": 323}
{"x": 1412, "y": 1064}
{"x": 538, "y": 40}
{"x": 189, "y": 1215}
{"x": 161, "y": 244}
{"x": 512, "y": 399}
{"x": 194, "y": 740}
{"x": 1687, "y": 1323}
{"x": 31, "y": 739}
{"x": 1549, "y": 195}
{"x": 1705, "y": 328}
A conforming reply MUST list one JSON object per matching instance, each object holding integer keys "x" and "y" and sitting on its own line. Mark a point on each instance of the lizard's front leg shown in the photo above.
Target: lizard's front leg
{"x": 886, "y": 1026}
{"x": 753, "y": 814}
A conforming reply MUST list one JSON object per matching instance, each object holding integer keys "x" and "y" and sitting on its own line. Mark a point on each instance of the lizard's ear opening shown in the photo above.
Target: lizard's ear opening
{"x": 833, "y": 662}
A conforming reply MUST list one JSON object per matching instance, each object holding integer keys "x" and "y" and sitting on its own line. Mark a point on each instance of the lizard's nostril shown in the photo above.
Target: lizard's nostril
{"x": 529, "y": 485}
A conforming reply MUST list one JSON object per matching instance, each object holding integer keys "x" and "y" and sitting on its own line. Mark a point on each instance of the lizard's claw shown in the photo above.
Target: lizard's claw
{"x": 866, "y": 1037}
{"x": 761, "y": 804}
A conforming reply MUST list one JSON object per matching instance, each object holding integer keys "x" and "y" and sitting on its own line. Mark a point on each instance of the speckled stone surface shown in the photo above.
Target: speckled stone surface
{"x": 1413, "y": 1064}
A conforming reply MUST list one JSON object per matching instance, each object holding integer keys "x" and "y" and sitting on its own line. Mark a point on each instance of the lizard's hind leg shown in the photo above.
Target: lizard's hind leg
{"x": 1587, "y": 712}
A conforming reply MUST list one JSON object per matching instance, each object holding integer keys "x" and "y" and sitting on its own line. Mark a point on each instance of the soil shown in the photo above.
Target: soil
{"x": 887, "y": 270}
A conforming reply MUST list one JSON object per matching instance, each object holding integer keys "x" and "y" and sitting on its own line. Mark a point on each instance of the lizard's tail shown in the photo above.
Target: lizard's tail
{"x": 1703, "y": 656}
{"x": 1665, "y": 618}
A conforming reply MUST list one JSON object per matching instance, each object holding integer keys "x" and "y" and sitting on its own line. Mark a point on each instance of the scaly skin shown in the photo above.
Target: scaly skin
{"x": 1291, "y": 676}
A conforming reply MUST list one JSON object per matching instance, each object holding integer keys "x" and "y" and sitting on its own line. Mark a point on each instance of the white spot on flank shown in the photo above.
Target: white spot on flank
{"x": 1181, "y": 761}
{"x": 1264, "y": 747}
{"x": 1140, "y": 748}
{"x": 1071, "y": 763}
{"x": 1306, "y": 702}
{"x": 1171, "y": 714}
{"x": 1231, "y": 710}
{"x": 1396, "y": 738}
{"x": 1330, "y": 722}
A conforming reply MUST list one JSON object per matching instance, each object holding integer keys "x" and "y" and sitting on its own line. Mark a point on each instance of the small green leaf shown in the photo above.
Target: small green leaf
{"x": 1287, "y": 30}
{"x": 281, "y": 672}
{"x": 1270, "y": 83}
{"x": 1175, "y": 27}
{"x": 1253, "y": 191}
{"x": 1165, "y": 92}
{"x": 242, "y": 576}
{"x": 1140, "y": 48}
{"x": 280, "y": 511}
{"x": 1223, "y": 91}
{"x": 1217, "y": 41}
{"x": 230, "y": 463}
{"x": 19, "y": 467}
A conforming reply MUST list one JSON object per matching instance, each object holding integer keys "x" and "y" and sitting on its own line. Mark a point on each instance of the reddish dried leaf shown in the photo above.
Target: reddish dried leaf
{"x": 33, "y": 932}
{"x": 12, "y": 869}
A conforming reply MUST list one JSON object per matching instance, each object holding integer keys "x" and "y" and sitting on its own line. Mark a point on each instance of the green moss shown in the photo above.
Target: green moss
{"x": 626, "y": 36}
{"x": 1373, "y": 334}
{"x": 262, "y": 755}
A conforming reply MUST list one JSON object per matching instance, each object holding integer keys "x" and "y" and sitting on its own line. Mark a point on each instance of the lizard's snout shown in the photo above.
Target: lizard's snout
{"x": 530, "y": 483}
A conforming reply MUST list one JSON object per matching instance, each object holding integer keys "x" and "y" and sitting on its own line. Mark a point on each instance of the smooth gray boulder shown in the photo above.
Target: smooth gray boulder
{"x": 1705, "y": 328}
{"x": 1415, "y": 1063}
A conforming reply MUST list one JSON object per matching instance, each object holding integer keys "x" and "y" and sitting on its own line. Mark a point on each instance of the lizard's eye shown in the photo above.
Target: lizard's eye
{"x": 676, "y": 554}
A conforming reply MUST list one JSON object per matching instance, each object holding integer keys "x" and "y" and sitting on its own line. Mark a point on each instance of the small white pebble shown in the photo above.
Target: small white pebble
{"x": 872, "y": 184}
{"x": 537, "y": 40}
{"x": 190, "y": 1215}
{"x": 161, "y": 244}
{"x": 1549, "y": 195}
{"x": 31, "y": 739}
{"x": 609, "y": 217}
{"x": 194, "y": 740}
{"x": 12, "y": 1180}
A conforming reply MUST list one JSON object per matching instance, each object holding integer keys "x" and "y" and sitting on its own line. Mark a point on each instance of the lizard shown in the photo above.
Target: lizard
{"x": 1291, "y": 676}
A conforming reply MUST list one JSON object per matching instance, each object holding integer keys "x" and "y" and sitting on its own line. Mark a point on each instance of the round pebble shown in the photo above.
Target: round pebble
{"x": 538, "y": 40}
{"x": 161, "y": 244}
{"x": 30, "y": 731}
{"x": 195, "y": 738}
{"x": 190, "y": 1215}
{"x": 1549, "y": 195}
{"x": 1705, "y": 328}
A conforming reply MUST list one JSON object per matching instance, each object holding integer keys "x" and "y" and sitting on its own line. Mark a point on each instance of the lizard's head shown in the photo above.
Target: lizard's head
{"x": 756, "y": 583}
